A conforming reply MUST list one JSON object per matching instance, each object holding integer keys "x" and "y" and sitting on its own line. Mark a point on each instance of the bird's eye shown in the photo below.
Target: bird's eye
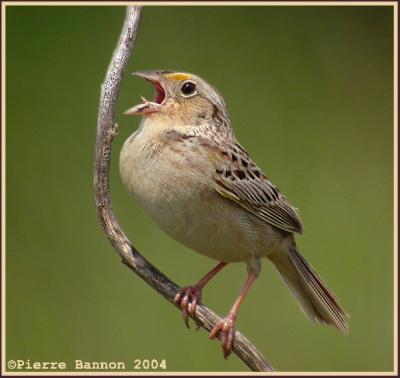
{"x": 188, "y": 88}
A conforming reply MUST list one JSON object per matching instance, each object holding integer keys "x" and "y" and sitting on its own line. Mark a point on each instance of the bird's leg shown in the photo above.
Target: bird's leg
{"x": 227, "y": 325}
{"x": 188, "y": 297}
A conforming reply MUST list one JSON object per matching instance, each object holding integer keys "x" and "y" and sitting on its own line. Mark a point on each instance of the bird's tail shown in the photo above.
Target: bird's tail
{"x": 313, "y": 296}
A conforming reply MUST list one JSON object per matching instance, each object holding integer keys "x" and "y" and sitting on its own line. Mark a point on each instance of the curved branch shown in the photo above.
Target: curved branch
{"x": 106, "y": 131}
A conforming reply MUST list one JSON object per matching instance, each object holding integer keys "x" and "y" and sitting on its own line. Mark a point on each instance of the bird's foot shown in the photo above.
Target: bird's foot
{"x": 227, "y": 328}
{"x": 188, "y": 298}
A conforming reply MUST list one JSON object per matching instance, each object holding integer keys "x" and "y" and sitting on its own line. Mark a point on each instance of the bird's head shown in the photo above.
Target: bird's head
{"x": 180, "y": 97}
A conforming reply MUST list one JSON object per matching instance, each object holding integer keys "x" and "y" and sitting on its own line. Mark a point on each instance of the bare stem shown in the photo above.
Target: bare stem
{"x": 106, "y": 131}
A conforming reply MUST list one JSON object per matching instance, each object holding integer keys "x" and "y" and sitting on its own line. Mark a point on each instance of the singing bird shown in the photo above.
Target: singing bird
{"x": 185, "y": 167}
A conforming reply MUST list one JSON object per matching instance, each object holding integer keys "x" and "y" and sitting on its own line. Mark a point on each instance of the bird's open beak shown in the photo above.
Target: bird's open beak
{"x": 146, "y": 106}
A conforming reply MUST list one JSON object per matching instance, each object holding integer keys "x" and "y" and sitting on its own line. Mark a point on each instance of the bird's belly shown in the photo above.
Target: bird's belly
{"x": 205, "y": 228}
{"x": 201, "y": 224}
{"x": 190, "y": 212}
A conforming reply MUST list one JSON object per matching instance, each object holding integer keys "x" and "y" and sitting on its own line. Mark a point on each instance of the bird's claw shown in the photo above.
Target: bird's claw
{"x": 188, "y": 298}
{"x": 227, "y": 328}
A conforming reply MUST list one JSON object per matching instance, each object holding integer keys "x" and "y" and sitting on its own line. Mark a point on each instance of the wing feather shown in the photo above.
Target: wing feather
{"x": 238, "y": 179}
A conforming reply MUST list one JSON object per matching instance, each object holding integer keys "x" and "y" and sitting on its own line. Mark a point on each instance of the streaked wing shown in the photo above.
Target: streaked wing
{"x": 240, "y": 180}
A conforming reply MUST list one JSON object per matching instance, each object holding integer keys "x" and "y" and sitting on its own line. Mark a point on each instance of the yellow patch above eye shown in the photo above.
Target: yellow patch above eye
{"x": 178, "y": 76}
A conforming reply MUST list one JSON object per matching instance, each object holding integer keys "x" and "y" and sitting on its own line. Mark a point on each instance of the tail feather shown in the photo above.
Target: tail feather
{"x": 313, "y": 296}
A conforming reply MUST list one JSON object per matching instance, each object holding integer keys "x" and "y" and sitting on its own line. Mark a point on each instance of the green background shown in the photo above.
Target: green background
{"x": 310, "y": 92}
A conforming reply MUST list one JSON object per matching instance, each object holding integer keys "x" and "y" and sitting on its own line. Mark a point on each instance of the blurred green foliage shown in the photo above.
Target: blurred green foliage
{"x": 310, "y": 91}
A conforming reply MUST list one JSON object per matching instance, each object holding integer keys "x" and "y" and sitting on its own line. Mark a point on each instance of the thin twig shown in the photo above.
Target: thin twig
{"x": 106, "y": 131}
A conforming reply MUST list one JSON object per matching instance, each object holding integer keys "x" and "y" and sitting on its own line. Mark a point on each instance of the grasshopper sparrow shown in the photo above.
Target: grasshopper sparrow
{"x": 186, "y": 169}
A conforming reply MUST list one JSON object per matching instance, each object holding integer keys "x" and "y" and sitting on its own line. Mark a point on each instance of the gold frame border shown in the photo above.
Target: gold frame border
{"x": 5, "y": 4}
